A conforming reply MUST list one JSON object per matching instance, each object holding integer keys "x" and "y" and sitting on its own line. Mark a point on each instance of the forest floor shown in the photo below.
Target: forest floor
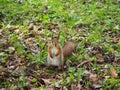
{"x": 26, "y": 28}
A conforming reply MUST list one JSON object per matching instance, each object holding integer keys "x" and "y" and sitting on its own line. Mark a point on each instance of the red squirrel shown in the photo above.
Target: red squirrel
{"x": 57, "y": 54}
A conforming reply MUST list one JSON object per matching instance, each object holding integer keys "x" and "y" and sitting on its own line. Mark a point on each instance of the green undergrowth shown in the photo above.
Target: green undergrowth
{"x": 93, "y": 24}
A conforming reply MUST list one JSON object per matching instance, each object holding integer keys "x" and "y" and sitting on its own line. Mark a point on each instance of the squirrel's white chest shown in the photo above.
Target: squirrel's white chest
{"x": 53, "y": 61}
{"x": 54, "y": 51}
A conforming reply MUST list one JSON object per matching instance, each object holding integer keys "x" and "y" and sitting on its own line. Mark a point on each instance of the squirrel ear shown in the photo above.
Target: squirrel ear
{"x": 58, "y": 35}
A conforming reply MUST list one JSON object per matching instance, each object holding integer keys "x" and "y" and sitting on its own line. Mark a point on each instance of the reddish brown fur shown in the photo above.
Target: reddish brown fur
{"x": 50, "y": 51}
{"x": 68, "y": 48}
{"x": 55, "y": 44}
{"x": 59, "y": 52}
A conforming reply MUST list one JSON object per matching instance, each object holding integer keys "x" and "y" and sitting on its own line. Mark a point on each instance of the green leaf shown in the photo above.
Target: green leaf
{"x": 71, "y": 69}
{"x": 79, "y": 74}
{"x": 71, "y": 76}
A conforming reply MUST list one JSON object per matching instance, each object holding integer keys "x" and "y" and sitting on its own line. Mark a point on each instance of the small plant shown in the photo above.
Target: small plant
{"x": 79, "y": 74}
{"x": 73, "y": 76}
{"x": 111, "y": 84}
{"x": 22, "y": 82}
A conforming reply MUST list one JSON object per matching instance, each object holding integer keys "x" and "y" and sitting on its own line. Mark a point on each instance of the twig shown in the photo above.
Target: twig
{"x": 84, "y": 62}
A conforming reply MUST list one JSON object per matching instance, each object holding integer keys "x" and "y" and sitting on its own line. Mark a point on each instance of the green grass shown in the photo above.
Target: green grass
{"x": 93, "y": 21}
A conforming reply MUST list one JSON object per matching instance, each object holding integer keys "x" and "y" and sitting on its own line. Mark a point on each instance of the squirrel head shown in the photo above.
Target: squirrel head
{"x": 55, "y": 40}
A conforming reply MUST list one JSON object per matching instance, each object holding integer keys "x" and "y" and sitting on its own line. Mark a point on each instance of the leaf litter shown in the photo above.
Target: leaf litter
{"x": 19, "y": 70}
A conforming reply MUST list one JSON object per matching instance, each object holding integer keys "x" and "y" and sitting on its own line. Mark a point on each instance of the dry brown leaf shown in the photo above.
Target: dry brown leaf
{"x": 79, "y": 86}
{"x": 95, "y": 81}
{"x": 30, "y": 27}
{"x": 117, "y": 62}
{"x": 113, "y": 72}
{"x": 49, "y": 88}
{"x": 41, "y": 32}
{"x": 76, "y": 87}
{"x": 96, "y": 86}
{"x": 36, "y": 27}
{"x": 64, "y": 88}
{"x": 21, "y": 70}
{"x": 16, "y": 31}
{"x": 99, "y": 57}
{"x": 115, "y": 40}
{"x": 3, "y": 43}
{"x": 94, "y": 78}
{"x": 47, "y": 81}
{"x": 3, "y": 89}
{"x": 11, "y": 48}
{"x": 73, "y": 87}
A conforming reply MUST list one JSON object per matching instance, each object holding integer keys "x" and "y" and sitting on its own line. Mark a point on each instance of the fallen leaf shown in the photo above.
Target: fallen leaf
{"x": 2, "y": 89}
{"x": 76, "y": 87}
{"x": 20, "y": 70}
{"x": 117, "y": 62}
{"x": 41, "y": 32}
{"x": 99, "y": 57}
{"x": 97, "y": 49}
{"x": 30, "y": 27}
{"x": 16, "y": 31}
{"x": 64, "y": 88}
{"x": 96, "y": 86}
{"x": 49, "y": 88}
{"x": 2, "y": 53}
{"x": 113, "y": 72}
{"x": 115, "y": 40}
{"x": 94, "y": 78}
{"x": 3, "y": 43}
{"x": 87, "y": 72}
{"x": 36, "y": 27}
{"x": 79, "y": 86}
{"x": 11, "y": 48}
{"x": 47, "y": 81}
{"x": 73, "y": 87}
{"x": 109, "y": 58}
